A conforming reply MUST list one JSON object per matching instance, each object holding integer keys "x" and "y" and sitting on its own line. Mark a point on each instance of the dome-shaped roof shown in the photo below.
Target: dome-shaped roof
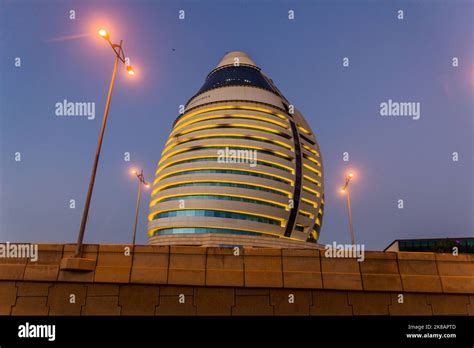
{"x": 236, "y": 69}
{"x": 229, "y": 59}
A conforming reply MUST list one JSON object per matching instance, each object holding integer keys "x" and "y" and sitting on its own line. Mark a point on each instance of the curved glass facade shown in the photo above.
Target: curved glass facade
{"x": 236, "y": 76}
{"x": 225, "y": 171}
{"x": 227, "y": 184}
{"x": 269, "y": 141}
{"x": 214, "y": 159}
{"x": 200, "y": 230}
{"x": 220, "y": 147}
{"x": 217, "y": 214}
{"x": 222, "y": 198}
{"x": 277, "y": 192}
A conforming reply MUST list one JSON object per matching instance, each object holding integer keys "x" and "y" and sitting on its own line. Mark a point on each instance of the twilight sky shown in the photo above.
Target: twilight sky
{"x": 394, "y": 158}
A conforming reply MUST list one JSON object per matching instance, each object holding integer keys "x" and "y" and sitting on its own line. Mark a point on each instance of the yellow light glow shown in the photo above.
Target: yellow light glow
{"x": 219, "y": 146}
{"x": 164, "y": 176}
{"x": 163, "y": 187}
{"x": 306, "y": 213}
{"x": 304, "y": 130}
{"x": 310, "y": 202}
{"x": 103, "y": 33}
{"x": 314, "y": 170}
{"x": 351, "y": 175}
{"x": 158, "y": 200}
{"x": 130, "y": 70}
{"x": 317, "y": 183}
{"x": 343, "y": 190}
{"x": 314, "y": 152}
{"x": 219, "y": 116}
{"x": 133, "y": 171}
{"x": 236, "y": 107}
{"x": 306, "y": 188}
{"x": 312, "y": 160}
{"x": 150, "y": 233}
{"x": 161, "y": 168}
{"x": 281, "y": 220}
{"x": 225, "y": 135}
{"x": 229, "y": 125}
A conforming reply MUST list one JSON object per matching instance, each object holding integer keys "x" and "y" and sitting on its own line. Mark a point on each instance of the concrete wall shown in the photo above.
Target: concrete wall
{"x": 153, "y": 279}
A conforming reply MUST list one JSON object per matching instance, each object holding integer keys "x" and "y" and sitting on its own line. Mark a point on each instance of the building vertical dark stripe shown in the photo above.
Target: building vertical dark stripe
{"x": 297, "y": 191}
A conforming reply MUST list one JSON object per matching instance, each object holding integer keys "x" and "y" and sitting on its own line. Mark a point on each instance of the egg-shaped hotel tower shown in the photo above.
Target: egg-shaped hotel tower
{"x": 241, "y": 167}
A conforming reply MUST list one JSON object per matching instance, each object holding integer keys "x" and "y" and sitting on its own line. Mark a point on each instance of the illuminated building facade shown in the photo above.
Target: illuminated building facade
{"x": 241, "y": 167}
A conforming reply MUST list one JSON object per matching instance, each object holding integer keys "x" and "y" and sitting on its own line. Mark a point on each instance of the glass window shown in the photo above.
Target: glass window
{"x": 224, "y": 198}
{"x": 216, "y": 213}
{"x": 236, "y": 76}
{"x": 202, "y": 230}
{"x": 227, "y": 184}
{"x": 226, "y": 171}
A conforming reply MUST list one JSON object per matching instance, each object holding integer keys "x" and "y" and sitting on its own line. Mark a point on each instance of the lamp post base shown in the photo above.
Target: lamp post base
{"x": 77, "y": 264}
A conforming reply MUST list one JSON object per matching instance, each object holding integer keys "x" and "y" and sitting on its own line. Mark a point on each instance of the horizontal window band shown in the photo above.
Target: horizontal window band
{"x": 309, "y": 158}
{"x": 214, "y": 170}
{"x": 300, "y": 228}
{"x": 222, "y": 183}
{"x": 231, "y": 107}
{"x": 313, "y": 151}
{"x": 310, "y": 202}
{"x": 215, "y": 158}
{"x": 228, "y": 136}
{"x": 305, "y": 138}
{"x": 217, "y": 213}
{"x": 213, "y": 196}
{"x": 263, "y": 233}
{"x": 202, "y": 230}
{"x": 233, "y": 126}
{"x": 310, "y": 179}
{"x": 314, "y": 170}
{"x": 305, "y": 213}
{"x": 230, "y": 147}
{"x": 230, "y": 116}
{"x": 304, "y": 130}
{"x": 310, "y": 190}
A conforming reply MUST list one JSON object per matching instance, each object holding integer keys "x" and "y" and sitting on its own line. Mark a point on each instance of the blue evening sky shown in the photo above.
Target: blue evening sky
{"x": 394, "y": 158}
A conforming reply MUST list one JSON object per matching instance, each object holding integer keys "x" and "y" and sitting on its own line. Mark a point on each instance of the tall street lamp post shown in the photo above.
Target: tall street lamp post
{"x": 119, "y": 56}
{"x": 141, "y": 181}
{"x": 345, "y": 189}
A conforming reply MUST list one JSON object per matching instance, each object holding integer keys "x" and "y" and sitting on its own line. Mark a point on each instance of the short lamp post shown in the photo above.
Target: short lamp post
{"x": 141, "y": 181}
{"x": 345, "y": 189}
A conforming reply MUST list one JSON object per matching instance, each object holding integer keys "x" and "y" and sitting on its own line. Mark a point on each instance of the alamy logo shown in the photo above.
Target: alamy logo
{"x": 393, "y": 108}
{"x": 237, "y": 156}
{"x": 66, "y": 108}
{"x": 21, "y": 251}
{"x": 37, "y": 331}
{"x": 352, "y": 251}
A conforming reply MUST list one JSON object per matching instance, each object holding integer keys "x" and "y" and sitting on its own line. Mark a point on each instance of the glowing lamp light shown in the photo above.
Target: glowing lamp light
{"x": 343, "y": 190}
{"x": 147, "y": 185}
{"x": 130, "y": 70}
{"x": 103, "y": 33}
{"x": 133, "y": 171}
{"x": 351, "y": 175}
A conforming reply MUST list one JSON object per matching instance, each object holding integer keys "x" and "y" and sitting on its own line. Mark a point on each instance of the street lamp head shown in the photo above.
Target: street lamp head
{"x": 147, "y": 185}
{"x": 351, "y": 175}
{"x": 343, "y": 190}
{"x": 133, "y": 171}
{"x": 104, "y": 33}
{"x": 130, "y": 70}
